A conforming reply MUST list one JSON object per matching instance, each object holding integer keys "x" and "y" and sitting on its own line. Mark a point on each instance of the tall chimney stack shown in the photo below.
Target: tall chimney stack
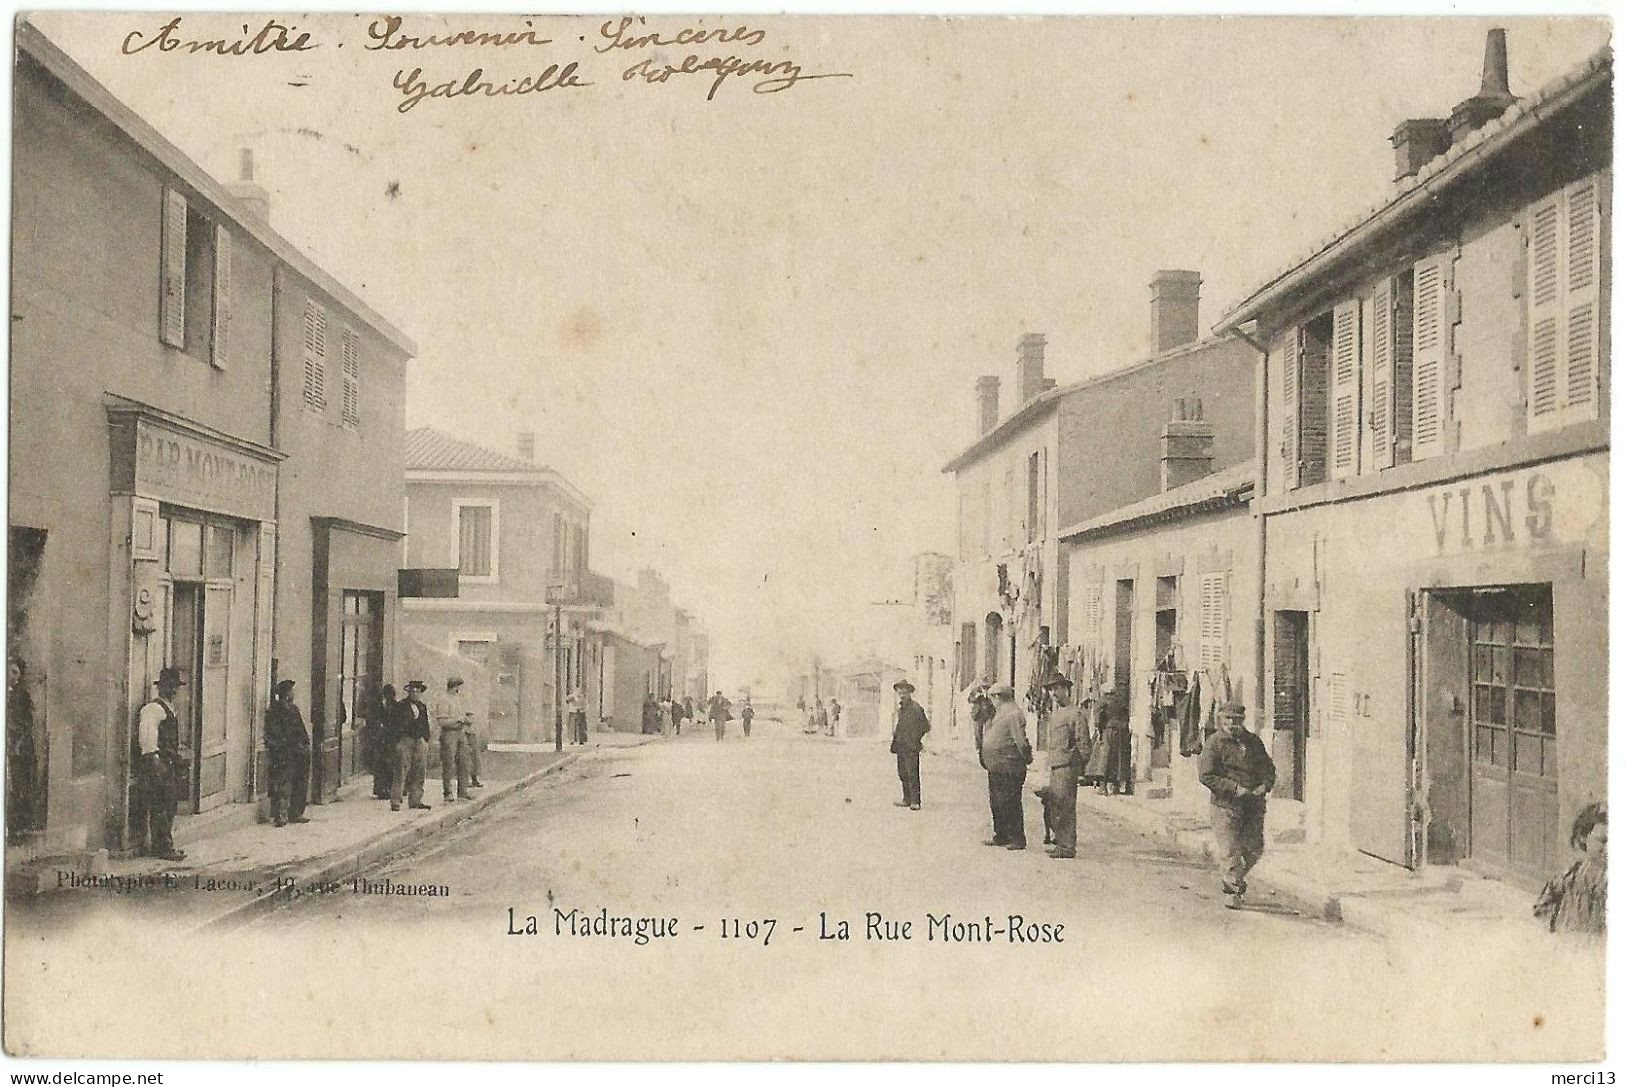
{"x": 1494, "y": 94}
{"x": 1175, "y": 295}
{"x": 527, "y": 445}
{"x": 1418, "y": 142}
{"x": 1187, "y": 445}
{"x": 252, "y": 196}
{"x": 1030, "y": 365}
{"x": 987, "y": 404}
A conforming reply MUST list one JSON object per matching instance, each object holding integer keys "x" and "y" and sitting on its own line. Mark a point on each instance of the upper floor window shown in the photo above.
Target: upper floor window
{"x": 477, "y": 538}
{"x": 1035, "y": 495}
{"x": 350, "y": 365}
{"x": 1564, "y": 235}
{"x": 195, "y": 291}
{"x": 315, "y": 355}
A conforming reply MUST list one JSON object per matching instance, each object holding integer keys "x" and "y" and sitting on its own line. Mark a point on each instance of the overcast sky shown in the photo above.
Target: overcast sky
{"x": 750, "y": 327}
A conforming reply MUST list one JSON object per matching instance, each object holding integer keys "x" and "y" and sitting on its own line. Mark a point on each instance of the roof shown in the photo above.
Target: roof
{"x": 431, "y": 454}
{"x": 32, "y": 42}
{"x": 1413, "y": 195}
{"x": 1038, "y": 405}
{"x": 1225, "y": 489}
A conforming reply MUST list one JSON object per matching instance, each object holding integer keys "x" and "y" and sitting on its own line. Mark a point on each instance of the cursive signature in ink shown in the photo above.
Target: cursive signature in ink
{"x": 781, "y": 74}
{"x": 273, "y": 37}
{"x": 414, "y": 88}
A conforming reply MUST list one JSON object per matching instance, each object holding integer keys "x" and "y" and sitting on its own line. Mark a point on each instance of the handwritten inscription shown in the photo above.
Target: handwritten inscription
{"x": 617, "y": 39}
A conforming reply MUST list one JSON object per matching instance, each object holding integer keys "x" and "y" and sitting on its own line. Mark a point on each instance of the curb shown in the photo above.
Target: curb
{"x": 354, "y": 860}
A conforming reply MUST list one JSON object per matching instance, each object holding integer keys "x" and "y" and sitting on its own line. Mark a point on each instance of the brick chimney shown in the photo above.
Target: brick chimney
{"x": 253, "y": 197}
{"x": 1417, "y": 142}
{"x": 527, "y": 445}
{"x": 987, "y": 403}
{"x": 1187, "y": 445}
{"x": 1030, "y": 365}
{"x": 1494, "y": 95}
{"x": 1175, "y": 295}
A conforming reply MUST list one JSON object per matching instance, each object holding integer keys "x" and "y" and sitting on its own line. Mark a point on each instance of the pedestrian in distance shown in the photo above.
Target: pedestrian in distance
{"x": 834, "y": 716}
{"x": 907, "y": 738}
{"x": 820, "y": 718}
{"x": 1006, "y": 754}
{"x": 577, "y": 704}
{"x": 1109, "y": 766}
{"x": 287, "y": 743}
{"x": 454, "y": 717}
{"x": 746, "y": 715}
{"x": 411, "y": 748}
{"x": 1060, "y": 792}
{"x": 1577, "y": 900}
{"x": 380, "y": 742}
{"x": 1238, "y": 773}
{"x": 721, "y": 713}
{"x": 160, "y": 769}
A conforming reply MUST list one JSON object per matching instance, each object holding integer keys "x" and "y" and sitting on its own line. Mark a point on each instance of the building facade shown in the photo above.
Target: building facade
{"x": 517, "y": 534}
{"x": 158, "y": 516}
{"x": 1434, "y": 488}
{"x": 1065, "y": 455}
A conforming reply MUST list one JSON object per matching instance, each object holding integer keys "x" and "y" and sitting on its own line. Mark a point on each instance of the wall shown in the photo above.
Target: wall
{"x": 525, "y": 545}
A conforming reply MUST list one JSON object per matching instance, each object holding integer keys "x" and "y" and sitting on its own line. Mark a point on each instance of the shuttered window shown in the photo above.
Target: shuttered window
{"x": 1345, "y": 390}
{"x": 220, "y": 332}
{"x": 1291, "y": 348}
{"x": 172, "y": 297}
{"x": 1313, "y": 396}
{"x": 1387, "y": 351}
{"x": 474, "y": 541}
{"x": 1089, "y": 615}
{"x": 315, "y": 354}
{"x": 350, "y": 363}
{"x": 1211, "y": 615}
{"x": 1431, "y": 345}
{"x": 1564, "y": 232}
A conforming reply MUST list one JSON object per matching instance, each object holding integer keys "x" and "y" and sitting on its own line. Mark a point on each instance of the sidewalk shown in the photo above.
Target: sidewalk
{"x": 1338, "y": 885}
{"x": 232, "y": 876}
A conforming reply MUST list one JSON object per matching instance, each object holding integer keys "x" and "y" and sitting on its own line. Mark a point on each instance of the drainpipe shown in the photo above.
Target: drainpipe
{"x": 1261, "y": 430}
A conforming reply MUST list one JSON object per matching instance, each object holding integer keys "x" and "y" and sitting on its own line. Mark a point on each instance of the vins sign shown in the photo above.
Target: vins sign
{"x": 1552, "y": 504}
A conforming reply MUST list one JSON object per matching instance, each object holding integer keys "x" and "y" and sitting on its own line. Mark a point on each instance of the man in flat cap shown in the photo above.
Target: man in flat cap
{"x": 287, "y": 743}
{"x": 158, "y": 760}
{"x": 411, "y": 747}
{"x": 1239, "y": 774}
{"x": 455, "y": 720}
{"x": 1065, "y": 764}
{"x": 907, "y": 737}
{"x": 1006, "y": 754}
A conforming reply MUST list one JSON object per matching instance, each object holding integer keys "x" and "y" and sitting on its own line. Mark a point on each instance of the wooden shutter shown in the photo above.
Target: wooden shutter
{"x": 1313, "y": 397}
{"x": 1404, "y": 318}
{"x": 172, "y": 290}
{"x": 1210, "y": 592}
{"x": 1545, "y": 294}
{"x": 1345, "y": 390}
{"x": 1581, "y": 304}
{"x": 1430, "y": 348}
{"x": 351, "y": 366}
{"x": 220, "y": 334}
{"x": 315, "y": 347}
{"x": 1291, "y": 349}
{"x": 1380, "y": 352}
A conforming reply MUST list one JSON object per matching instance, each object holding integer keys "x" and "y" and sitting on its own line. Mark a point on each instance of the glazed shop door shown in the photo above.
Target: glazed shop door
{"x": 1512, "y": 730}
{"x": 198, "y": 618}
{"x": 361, "y": 652}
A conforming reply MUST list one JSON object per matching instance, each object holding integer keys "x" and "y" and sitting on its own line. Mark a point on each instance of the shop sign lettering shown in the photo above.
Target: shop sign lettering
{"x": 1526, "y": 509}
{"x": 177, "y": 468}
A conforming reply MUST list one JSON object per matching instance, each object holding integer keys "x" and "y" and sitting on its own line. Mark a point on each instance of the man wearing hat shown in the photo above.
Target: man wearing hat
{"x": 411, "y": 747}
{"x": 456, "y": 722}
{"x": 907, "y": 737}
{"x": 158, "y": 758}
{"x": 287, "y": 743}
{"x": 1239, "y": 774}
{"x": 1065, "y": 764}
{"x": 1006, "y": 754}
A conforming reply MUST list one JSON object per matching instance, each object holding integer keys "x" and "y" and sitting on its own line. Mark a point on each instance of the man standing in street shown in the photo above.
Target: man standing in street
{"x": 1239, "y": 774}
{"x": 453, "y": 717}
{"x": 721, "y": 712}
{"x": 834, "y": 716}
{"x": 158, "y": 757}
{"x": 411, "y": 747}
{"x": 287, "y": 742}
{"x": 907, "y": 737}
{"x": 1065, "y": 764}
{"x": 577, "y": 705}
{"x": 746, "y": 715}
{"x": 1006, "y": 754}
{"x": 471, "y": 736}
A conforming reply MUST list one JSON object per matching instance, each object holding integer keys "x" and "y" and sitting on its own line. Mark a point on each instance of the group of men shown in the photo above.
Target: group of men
{"x": 1235, "y": 768}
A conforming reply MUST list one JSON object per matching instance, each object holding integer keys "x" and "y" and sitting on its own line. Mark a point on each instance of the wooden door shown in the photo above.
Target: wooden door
{"x": 209, "y": 760}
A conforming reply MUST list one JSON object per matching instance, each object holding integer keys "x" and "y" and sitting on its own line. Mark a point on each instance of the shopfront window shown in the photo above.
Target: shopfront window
{"x": 1514, "y": 695}
{"x": 185, "y": 548}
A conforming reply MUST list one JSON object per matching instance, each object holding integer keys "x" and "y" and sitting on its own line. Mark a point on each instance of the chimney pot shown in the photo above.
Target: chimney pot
{"x": 1175, "y": 299}
{"x": 527, "y": 445}
{"x": 1030, "y": 365}
{"x": 1494, "y": 95}
{"x": 1187, "y": 451}
{"x": 1417, "y": 142}
{"x": 987, "y": 403}
{"x": 249, "y": 193}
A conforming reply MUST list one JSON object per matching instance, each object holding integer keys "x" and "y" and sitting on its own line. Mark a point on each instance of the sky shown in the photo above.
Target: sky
{"x": 749, "y": 327}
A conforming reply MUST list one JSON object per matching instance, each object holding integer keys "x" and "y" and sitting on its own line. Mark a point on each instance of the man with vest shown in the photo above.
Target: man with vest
{"x": 907, "y": 737}
{"x": 1006, "y": 753}
{"x": 287, "y": 743}
{"x": 158, "y": 764}
{"x": 456, "y": 720}
{"x": 1060, "y": 794}
{"x": 1239, "y": 774}
{"x": 411, "y": 731}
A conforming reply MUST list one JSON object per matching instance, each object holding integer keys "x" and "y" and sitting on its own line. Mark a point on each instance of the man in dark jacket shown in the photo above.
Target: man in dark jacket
{"x": 159, "y": 762}
{"x": 907, "y": 737}
{"x": 1006, "y": 753}
{"x": 1239, "y": 774}
{"x": 411, "y": 747}
{"x": 287, "y": 742}
{"x": 1065, "y": 764}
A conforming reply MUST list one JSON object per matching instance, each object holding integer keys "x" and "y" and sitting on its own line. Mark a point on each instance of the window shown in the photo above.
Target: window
{"x": 315, "y": 354}
{"x": 1564, "y": 235}
{"x": 558, "y": 542}
{"x": 1212, "y": 603}
{"x": 195, "y": 293}
{"x": 984, "y": 512}
{"x": 477, "y": 540}
{"x": 1034, "y": 500}
{"x": 1431, "y": 345}
{"x": 580, "y": 547}
{"x": 1388, "y": 369}
{"x": 967, "y": 654}
{"x": 1514, "y": 708}
{"x": 1345, "y": 390}
{"x": 350, "y": 363}
{"x": 1305, "y": 354}
{"x": 1088, "y": 629}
